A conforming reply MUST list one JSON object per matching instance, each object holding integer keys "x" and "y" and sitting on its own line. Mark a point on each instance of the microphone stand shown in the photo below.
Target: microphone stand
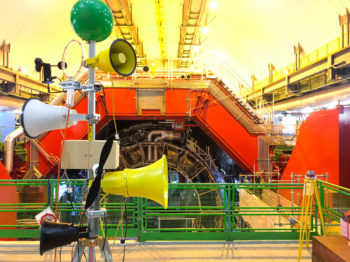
{"x": 94, "y": 213}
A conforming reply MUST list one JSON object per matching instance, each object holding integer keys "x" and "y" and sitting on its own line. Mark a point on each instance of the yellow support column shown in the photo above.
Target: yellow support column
{"x": 310, "y": 188}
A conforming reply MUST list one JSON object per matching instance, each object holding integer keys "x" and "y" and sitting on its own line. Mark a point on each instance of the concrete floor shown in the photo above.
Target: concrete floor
{"x": 243, "y": 251}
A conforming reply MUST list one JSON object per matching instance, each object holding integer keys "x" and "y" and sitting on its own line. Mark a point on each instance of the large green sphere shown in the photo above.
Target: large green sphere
{"x": 92, "y": 20}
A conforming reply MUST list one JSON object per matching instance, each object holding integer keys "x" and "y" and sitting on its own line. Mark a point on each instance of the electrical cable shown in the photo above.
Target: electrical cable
{"x": 106, "y": 233}
{"x": 72, "y": 252}
{"x": 113, "y": 111}
{"x": 102, "y": 223}
{"x": 119, "y": 224}
{"x": 59, "y": 163}
{"x": 58, "y": 92}
{"x": 70, "y": 186}
{"x": 104, "y": 100}
{"x": 96, "y": 184}
{"x": 126, "y": 227}
{"x": 80, "y": 225}
{"x": 103, "y": 97}
{"x": 59, "y": 170}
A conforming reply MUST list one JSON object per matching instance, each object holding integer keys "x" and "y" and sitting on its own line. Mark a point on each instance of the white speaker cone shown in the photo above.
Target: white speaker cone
{"x": 38, "y": 117}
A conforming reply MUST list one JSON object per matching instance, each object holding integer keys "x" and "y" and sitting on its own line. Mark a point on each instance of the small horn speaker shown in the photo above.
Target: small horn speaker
{"x": 58, "y": 234}
{"x": 120, "y": 58}
{"x": 38, "y": 117}
{"x": 149, "y": 182}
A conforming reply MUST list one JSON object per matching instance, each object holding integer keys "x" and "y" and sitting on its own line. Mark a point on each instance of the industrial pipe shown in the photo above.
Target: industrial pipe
{"x": 9, "y": 141}
{"x": 163, "y": 135}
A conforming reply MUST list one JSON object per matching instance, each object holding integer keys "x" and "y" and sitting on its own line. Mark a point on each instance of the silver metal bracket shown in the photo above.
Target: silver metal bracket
{"x": 97, "y": 213}
{"x": 84, "y": 117}
{"x": 89, "y": 88}
{"x": 76, "y": 85}
{"x": 93, "y": 119}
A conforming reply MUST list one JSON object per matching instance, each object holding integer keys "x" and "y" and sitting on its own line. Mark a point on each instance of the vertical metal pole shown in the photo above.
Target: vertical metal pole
{"x": 298, "y": 194}
{"x": 327, "y": 196}
{"x": 229, "y": 192}
{"x": 91, "y": 94}
{"x": 292, "y": 191}
{"x": 93, "y": 223}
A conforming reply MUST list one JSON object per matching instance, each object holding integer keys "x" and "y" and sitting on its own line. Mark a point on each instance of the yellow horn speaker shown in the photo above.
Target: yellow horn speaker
{"x": 120, "y": 58}
{"x": 149, "y": 182}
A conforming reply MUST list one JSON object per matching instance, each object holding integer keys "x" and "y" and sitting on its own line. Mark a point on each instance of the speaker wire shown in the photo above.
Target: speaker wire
{"x": 59, "y": 171}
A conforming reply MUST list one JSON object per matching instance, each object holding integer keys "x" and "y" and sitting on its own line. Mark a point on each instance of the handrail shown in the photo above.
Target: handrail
{"x": 225, "y": 220}
{"x": 309, "y": 59}
{"x": 333, "y": 185}
{"x": 203, "y": 217}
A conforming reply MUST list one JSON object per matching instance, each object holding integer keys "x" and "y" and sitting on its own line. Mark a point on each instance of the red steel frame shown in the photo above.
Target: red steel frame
{"x": 206, "y": 111}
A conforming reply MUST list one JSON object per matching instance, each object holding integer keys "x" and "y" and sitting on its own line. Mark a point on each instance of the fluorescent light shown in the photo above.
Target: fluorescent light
{"x": 213, "y": 5}
{"x": 331, "y": 105}
{"x": 205, "y": 30}
{"x": 307, "y": 110}
{"x": 196, "y": 48}
{"x": 23, "y": 69}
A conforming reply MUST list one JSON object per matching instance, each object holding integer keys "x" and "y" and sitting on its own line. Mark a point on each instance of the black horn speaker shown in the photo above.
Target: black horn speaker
{"x": 55, "y": 234}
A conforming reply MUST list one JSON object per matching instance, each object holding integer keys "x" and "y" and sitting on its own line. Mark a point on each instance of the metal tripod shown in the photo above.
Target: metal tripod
{"x": 310, "y": 188}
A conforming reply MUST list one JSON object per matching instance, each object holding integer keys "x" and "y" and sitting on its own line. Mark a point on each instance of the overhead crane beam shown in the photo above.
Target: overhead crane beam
{"x": 309, "y": 78}
{"x": 122, "y": 13}
{"x": 194, "y": 13}
{"x": 14, "y": 83}
{"x": 317, "y": 76}
{"x": 159, "y": 4}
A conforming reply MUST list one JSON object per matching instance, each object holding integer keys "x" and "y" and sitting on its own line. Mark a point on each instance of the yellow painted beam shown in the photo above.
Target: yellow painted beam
{"x": 123, "y": 21}
{"x": 160, "y": 23}
{"x": 24, "y": 81}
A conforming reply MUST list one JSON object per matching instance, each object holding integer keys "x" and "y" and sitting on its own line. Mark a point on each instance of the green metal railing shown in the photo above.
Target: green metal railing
{"x": 335, "y": 201}
{"x": 195, "y": 212}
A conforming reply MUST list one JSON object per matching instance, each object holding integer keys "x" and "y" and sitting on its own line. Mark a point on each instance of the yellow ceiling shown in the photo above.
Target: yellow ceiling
{"x": 248, "y": 33}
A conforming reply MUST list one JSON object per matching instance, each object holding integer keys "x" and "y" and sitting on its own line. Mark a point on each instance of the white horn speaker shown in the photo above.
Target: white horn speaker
{"x": 38, "y": 117}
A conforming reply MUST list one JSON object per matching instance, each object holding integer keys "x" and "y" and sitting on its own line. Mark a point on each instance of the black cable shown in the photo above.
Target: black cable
{"x": 195, "y": 108}
{"x": 70, "y": 193}
{"x": 104, "y": 97}
{"x": 126, "y": 226}
{"x": 80, "y": 225}
{"x": 48, "y": 88}
{"x": 104, "y": 242}
{"x": 49, "y": 191}
{"x": 96, "y": 184}
{"x": 205, "y": 105}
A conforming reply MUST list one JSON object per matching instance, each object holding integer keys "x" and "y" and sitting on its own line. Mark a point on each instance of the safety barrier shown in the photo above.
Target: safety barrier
{"x": 311, "y": 58}
{"x": 335, "y": 201}
{"x": 196, "y": 211}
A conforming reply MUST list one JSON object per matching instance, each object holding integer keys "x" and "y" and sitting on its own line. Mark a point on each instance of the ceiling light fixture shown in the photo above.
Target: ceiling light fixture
{"x": 196, "y": 48}
{"x": 205, "y": 30}
{"x": 213, "y": 5}
{"x": 22, "y": 69}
